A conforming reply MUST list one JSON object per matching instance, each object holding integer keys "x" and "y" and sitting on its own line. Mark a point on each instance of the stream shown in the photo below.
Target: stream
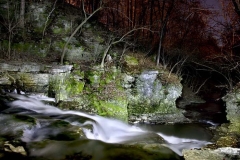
{"x": 47, "y": 132}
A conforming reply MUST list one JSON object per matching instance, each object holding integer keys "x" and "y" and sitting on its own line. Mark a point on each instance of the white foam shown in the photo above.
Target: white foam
{"x": 103, "y": 129}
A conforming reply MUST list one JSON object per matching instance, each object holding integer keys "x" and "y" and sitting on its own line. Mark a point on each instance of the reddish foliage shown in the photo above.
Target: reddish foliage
{"x": 187, "y": 27}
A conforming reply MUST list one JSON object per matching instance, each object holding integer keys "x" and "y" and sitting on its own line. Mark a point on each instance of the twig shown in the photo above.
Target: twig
{"x": 75, "y": 31}
{"x": 50, "y": 13}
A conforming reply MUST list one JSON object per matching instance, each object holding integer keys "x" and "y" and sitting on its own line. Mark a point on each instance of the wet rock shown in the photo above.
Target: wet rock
{"x": 8, "y": 147}
{"x": 226, "y": 153}
{"x": 5, "y": 80}
{"x": 188, "y": 97}
{"x": 13, "y": 125}
{"x": 201, "y": 155}
{"x": 152, "y": 100}
{"x": 233, "y": 110}
{"x": 88, "y": 150}
{"x": 131, "y": 64}
{"x": 20, "y": 67}
{"x": 227, "y": 141}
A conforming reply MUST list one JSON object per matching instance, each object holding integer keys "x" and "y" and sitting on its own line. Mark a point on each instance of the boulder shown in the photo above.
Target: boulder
{"x": 226, "y": 153}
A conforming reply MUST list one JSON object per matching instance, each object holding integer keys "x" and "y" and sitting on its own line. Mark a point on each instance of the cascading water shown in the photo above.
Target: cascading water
{"x": 102, "y": 129}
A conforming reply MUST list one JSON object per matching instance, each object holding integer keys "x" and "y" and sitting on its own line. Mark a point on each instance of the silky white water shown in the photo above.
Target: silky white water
{"x": 103, "y": 129}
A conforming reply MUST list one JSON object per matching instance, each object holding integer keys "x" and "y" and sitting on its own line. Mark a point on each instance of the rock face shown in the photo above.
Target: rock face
{"x": 152, "y": 102}
{"x": 152, "y": 93}
{"x": 111, "y": 92}
{"x": 133, "y": 92}
{"x": 226, "y": 153}
{"x": 233, "y": 110}
{"x": 29, "y": 77}
{"x": 48, "y": 26}
{"x": 226, "y": 138}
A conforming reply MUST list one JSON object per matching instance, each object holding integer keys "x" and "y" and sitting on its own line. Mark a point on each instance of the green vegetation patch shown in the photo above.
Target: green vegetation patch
{"x": 114, "y": 109}
{"x": 73, "y": 86}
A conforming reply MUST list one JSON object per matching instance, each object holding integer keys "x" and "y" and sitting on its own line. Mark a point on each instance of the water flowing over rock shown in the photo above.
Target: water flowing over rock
{"x": 227, "y": 135}
{"x": 139, "y": 97}
{"x": 130, "y": 91}
{"x": 124, "y": 89}
{"x": 56, "y": 133}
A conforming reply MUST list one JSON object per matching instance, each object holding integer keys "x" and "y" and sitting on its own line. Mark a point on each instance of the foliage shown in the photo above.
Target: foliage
{"x": 180, "y": 31}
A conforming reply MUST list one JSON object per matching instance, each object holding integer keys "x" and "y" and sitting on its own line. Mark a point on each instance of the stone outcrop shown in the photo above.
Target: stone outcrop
{"x": 225, "y": 153}
{"x": 226, "y": 138}
{"x": 233, "y": 109}
{"x": 134, "y": 92}
{"x": 29, "y": 77}
{"x": 143, "y": 96}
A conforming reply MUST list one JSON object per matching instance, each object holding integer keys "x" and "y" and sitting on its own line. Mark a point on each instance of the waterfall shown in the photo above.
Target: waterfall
{"x": 103, "y": 129}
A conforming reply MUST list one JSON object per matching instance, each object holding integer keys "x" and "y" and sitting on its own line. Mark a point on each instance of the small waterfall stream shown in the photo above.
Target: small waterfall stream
{"x": 94, "y": 127}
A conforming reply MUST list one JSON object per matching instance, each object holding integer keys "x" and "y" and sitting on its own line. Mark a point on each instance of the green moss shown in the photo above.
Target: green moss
{"x": 24, "y": 78}
{"x": 25, "y": 119}
{"x": 73, "y": 86}
{"x": 146, "y": 106}
{"x": 114, "y": 109}
{"x": 78, "y": 72}
{"x": 227, "y": 141}
{"x": 110, "y": 99}
{"x": 235, "y": 123}
{"x": 57, "y": 30}
{"x": 100, "y": 39}
{"x": 94, "y": 78}
{"x": 22, "y": 47}
{"x": 77, "y": 68}
{"x": 61, "y": 27}
{"x": 131, "y": 60}
{"x": 58, "y": 46}
{"x": 39, "y": 49}
{"x": 64, "y": 86}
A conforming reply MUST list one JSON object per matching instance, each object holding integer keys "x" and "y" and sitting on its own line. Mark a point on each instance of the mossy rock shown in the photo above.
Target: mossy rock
{"x": 234, "y": 123}
{"x": 131, "y": 64}
{"x": 106, "y": 93}
{"x": 14, "y": 125}
{"x": 78, "y": 103}
{"x": 146, "y": 107}
{"x": 74, "y": 86}
{"x": 32, "y": 48}
{"x": 227, "y": 141}
{"x": 232, "y": 100}
{"x": 113, "y": 109}
{"x": 65, "y": 86}
{"x": 61, "y": 27}
{"x": 65, "y": 131}
{"x": 130, "y": 60}
{"x": 31, "y": 82}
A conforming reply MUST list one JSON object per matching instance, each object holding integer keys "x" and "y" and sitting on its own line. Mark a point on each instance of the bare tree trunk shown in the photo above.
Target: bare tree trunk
{"x": 22, "y": 14}
{"x": 159, "y": 46}
{"x": 164, "y": 21}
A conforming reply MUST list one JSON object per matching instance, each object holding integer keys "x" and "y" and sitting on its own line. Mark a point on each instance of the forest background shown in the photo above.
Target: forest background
{"x": 179, "y": 33}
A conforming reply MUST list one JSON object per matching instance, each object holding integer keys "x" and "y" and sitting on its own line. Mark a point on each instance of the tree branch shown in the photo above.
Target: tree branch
{"x": 75, "y": 31}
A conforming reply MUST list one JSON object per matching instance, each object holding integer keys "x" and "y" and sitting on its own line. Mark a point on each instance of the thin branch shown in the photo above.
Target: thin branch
{"x": 118, "y": 41}
{"x": 50, "y": 13}
{"x": 201, "y": 86}
{"x": 75, "y": 31}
